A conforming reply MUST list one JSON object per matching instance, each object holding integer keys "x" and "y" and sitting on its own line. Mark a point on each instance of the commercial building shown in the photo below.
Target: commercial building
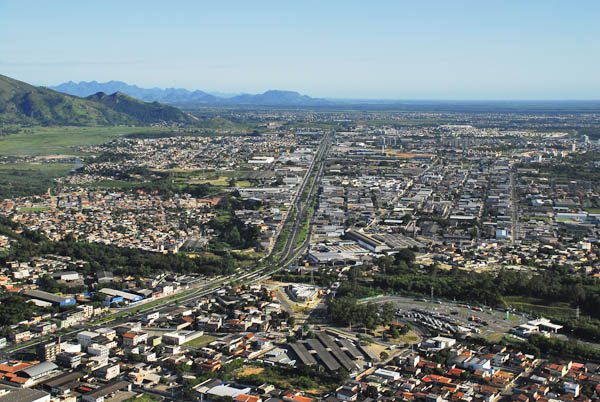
{"x": 60, "y": 301}
{"x": 128, "y": 297}
{"x": 10, "y": 394}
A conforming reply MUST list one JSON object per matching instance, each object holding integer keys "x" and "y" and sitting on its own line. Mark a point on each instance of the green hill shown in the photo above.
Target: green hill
{"x": 139, "y": 110}
{"x": 21, "y": 103}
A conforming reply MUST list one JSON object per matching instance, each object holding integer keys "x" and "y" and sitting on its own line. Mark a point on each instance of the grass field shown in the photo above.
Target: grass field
{"x": 540, "y": 307}
{"x": 117, "y": 184}
{"x": 40, "y": 141}
{"x": 145, "y": 398}
{"x": 33, "y": 209}
{"x": 20, "y": 179}
{"x": 200, "y": 342}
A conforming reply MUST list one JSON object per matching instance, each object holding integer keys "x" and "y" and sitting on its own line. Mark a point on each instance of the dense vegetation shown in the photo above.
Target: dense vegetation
{"x": 347, "y": 311}
{"x": 399, "y": 275}
{"x": 14, "y": 309}
{"x": 560, "y": 348}
{"x": 141, "y": 111}
{"x": 231, "y": 231}
{"x": 20, "y": 180}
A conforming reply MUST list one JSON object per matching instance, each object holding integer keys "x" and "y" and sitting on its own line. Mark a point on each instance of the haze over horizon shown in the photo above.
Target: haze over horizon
{"x": 542, "y": 50}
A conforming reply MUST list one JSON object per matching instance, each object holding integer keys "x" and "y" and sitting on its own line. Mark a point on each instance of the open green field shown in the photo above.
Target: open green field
{"x": 40, "y": 141}
{"x": 114, "y": 184}
{"x": 540, "y": 307}
{"x": 145, "y": 398}
{"x": 214, "y": 178}
{"x": 200, "y": 342}
{"x": 21, "y": 179}
{"x": 34, "y": 209}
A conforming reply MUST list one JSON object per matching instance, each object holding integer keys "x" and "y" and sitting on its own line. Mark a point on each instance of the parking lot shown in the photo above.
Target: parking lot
{"x": 453, "y": 318}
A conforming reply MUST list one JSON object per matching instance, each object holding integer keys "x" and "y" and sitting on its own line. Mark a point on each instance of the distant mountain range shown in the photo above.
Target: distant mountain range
{"x": 184, "y": 97}
{"x": 21, "y": 103}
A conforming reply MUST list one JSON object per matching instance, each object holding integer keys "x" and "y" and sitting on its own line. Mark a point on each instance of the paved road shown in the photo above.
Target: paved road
{"x": 258, "y": 273}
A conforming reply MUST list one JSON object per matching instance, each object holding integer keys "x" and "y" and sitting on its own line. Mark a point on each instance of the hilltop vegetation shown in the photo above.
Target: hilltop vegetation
{"x": 21, "y": 103}
{"x": 141, "y": 111}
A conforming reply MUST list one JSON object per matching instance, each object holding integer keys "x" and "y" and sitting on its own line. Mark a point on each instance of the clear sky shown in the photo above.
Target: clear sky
{"x": 397, "y": 49}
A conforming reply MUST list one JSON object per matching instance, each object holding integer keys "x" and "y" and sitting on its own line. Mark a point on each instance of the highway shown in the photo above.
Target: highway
{"x": 259, "y": 272}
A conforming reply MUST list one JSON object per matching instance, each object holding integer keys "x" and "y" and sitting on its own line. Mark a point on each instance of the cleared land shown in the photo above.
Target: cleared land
{"x": 201, "y": 341}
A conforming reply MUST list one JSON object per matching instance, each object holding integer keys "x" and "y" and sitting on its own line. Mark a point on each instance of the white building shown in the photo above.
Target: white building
{"x": 85, "y": 338}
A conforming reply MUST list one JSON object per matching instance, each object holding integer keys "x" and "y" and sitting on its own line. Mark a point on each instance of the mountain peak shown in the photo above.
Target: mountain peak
{"x": 181, "y": 96}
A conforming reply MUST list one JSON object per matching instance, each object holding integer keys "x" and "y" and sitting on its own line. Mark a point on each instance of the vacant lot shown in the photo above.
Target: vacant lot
{"x": 201, "y": 341}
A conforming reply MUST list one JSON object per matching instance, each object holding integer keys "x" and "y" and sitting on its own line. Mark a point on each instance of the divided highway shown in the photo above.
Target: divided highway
{"x": 264, "y": 269}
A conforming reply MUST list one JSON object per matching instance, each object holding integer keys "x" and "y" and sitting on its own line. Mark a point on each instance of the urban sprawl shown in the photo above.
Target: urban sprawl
{"x": 323, "y": 256}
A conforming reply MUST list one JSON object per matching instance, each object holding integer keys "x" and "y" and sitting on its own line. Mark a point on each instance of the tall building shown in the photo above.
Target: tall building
{"x": 48, "y": 351}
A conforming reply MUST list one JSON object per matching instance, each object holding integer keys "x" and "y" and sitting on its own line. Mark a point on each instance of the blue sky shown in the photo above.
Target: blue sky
{"x": 425, "y": 49}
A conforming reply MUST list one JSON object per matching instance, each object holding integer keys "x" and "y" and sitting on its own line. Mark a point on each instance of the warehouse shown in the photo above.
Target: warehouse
{"x": 305, "y": 357}
{"x": 104, "y": 392}
{"x": 336, "y": 351}
{"x": 128, "y": 297}
{"x": 325, "y": 357}
{"x": 50, "y": 298}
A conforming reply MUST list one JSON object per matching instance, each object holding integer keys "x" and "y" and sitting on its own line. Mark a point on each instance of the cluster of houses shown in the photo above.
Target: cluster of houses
{"x": 150, "y": 352}
{"x": 92, "y": 297}
{"x": 446, "y": 370}
{"x": 191, "y": 153}
{"x": 137, "y": 219}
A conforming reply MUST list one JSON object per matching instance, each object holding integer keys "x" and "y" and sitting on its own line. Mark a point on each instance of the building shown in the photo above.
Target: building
{"x": 438, "y": 343}
{"x": 28, "y": 376}
{"x": 48, "y": 351}
{"x": 536, "y": 326}
{"x": 108, "y": 372}
{"x": 102, "y": 393}
{"x": 85, "y": 338}
{"x": 132, "y": 338}
{"x": 69, "y": 360}
{"x": 104, "y": 276}
{"x": 128, "y": 297}
{"x": 59, "y": 301}
{"x": 96, "y": 349}
{"x": 10, "y": 394}
{"x": 302, "y": 293}
{"x": 66, "y": 276}
{"x": 63, "y": 384}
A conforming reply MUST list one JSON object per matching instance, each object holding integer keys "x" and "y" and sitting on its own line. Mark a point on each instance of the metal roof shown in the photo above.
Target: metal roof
{"x": 21, "y": 394}
{"x": 39, "y": 369}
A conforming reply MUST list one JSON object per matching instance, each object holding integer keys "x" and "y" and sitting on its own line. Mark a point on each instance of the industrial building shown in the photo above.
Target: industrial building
{"x": 126, "y": 296}
{"x": 60, "y": 301}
